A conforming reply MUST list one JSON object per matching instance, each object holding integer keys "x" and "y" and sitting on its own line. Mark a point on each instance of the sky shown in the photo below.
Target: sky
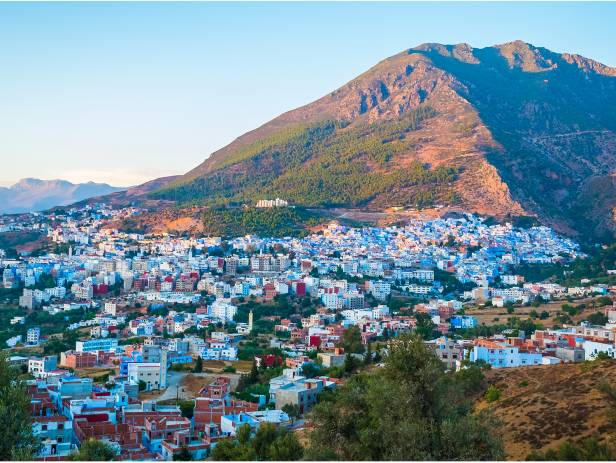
{"x": 126, "y": 92}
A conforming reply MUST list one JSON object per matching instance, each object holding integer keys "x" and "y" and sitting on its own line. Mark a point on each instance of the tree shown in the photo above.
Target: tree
{"x": 187, "y": 408}
{"x": 253, "y": 377}
{"x": 597, "y": 318}
{"x": 264, "y": 438}
{"x": 94, "y": 450}
{"x": 409, "y": 410}
{"x": 243, "y": 434}
{"x": 351, "y": 341}
{"x": 142, "y": 385}
{"x": 285, "y": 447}
{"x": 492, "y": 394}
{"x": 198, "y": 365}
{"x": 18, "y": 442}
{"x": 184, "y": 455}
{"x": 292, "y": 410}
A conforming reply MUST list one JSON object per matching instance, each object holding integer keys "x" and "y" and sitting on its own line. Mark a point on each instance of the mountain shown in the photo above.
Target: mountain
{"x": 507, "y": 130}
{"x": 31, "y": 194}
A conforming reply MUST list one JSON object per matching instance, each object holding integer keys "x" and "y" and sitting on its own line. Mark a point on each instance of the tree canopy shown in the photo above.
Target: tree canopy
{"x": 18, "y": 441}
{"x": 409, "y": 410}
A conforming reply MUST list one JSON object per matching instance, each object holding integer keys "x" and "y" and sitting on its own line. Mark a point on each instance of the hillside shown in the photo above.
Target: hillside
{"x": 543, "y": 406}
{"x": 31, "y": 194}
{"x": 507, "y": 130}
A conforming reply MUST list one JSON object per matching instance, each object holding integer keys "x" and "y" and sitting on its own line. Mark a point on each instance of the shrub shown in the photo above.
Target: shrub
{"x": 492, "y": 394}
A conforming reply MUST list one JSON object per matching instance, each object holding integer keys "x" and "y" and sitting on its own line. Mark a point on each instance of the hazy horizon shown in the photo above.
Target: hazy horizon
{"x": 124, "y": 93}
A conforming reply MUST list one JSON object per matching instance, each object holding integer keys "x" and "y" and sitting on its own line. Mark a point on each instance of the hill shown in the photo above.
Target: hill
{"x": 508, "y": 130}
{"x": 32, "y": 194}
{"x": 543, "y": 406}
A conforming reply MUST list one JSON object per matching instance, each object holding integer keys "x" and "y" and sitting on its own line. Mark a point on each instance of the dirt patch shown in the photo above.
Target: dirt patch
{"x": 542, "y": 406}
{"x": 193, "y": 384}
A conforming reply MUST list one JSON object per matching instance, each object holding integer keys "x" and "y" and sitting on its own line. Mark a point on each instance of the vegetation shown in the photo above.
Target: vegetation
{"x": 589, "y": 449}
{"x": 275, "y": 221}
{"x": 594, "y": 267}
{"x": 323, "y": 164}
{"x": 268, "y": 443}
{"x": 409, "y": 410}
{"x": 18, "y": 442}
{"x": 351, "y": 341}
{"x": 94, "y": 450}
{"x": 492, "y": 394}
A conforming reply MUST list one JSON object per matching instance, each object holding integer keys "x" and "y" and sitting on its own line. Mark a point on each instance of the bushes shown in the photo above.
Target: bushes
{"x": 368, "y": 420}
{"x": 492, "y": 394}
{"x": 589, "y": 449}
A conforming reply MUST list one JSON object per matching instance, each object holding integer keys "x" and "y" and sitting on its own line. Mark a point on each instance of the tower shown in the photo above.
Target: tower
{"x": 250, "y": 320}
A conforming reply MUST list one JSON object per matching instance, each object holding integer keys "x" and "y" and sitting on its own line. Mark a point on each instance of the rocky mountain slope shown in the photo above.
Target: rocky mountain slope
{"x": 507, "y": 130}
{"x": 32, "y": 194}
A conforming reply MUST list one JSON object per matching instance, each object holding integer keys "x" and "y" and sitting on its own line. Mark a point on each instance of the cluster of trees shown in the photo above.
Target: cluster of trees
{"x": 411, "y": 409}
{"x": 599, "y": 260}
{"x": 276, "y": 221}
{"x": 323, "y": 164}
{"x": 268, "y": 444}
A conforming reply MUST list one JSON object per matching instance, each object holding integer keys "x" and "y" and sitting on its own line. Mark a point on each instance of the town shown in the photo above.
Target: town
{"x": 163, "y": 346}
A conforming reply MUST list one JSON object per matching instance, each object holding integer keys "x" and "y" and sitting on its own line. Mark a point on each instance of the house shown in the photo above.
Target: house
{"x": 500, "y": 355}
{"x": 292, "y": 388}
{"x": 449, "y": 351}
{"x": 332, "y": 359}
{"x": 459, "y": 322}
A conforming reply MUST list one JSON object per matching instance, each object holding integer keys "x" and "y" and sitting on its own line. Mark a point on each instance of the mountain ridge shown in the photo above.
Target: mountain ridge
{"x": 32, "y": 194}
{"x": 526, "y": 130}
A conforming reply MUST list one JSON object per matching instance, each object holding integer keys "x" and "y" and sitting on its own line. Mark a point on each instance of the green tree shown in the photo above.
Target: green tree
{"x": 94, "y": 450}
{"x": 597, "y": 318}
{"x": 198, "y": 365}
{"x": 264, "y": 438}
{"x": 351, "y": 341}
{"x": 492, "y": 394}
{"x": 18, "y": 442}
{"x": 285, "y": 447}
{"x": 589, "y": 449}
{"x": 253, "y": 377}
{"x": 187, "y": 408}
{"x": 184, "y": 455}
{"x": 292, "y": 410}
{"x": 409, "y": 410}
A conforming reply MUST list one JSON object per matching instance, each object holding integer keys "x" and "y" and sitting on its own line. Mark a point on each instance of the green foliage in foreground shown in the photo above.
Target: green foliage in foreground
{"x": 94, "y": 450}
{"x": 268, "y": 444}
{"x": 589, "y": 449}
{"x": 409, "y": 410}
{"x": 18, "y": 442}
{"x": 275, "y": 221}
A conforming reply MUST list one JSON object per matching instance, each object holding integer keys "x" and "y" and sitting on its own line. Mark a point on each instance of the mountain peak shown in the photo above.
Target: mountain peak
{"x": 33, "y": 194}
{"x": 524, "y": 130}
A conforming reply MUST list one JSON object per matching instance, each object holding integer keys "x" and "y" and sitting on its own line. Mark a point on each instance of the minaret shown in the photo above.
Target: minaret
{"x": 250, "y": 321}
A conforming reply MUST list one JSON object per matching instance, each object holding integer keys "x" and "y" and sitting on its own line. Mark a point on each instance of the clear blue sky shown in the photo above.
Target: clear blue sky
{"x": 126, "y": 92}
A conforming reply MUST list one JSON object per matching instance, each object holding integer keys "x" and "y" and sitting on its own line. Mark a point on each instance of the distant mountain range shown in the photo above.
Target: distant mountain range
{"x": 31, "y": 194}
{"x": 507, "y": 130}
